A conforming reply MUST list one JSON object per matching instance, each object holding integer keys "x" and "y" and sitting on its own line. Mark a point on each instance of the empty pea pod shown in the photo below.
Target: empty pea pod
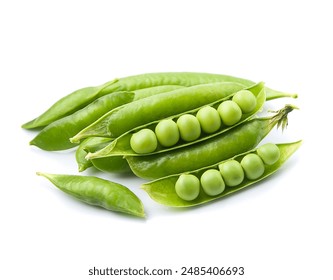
{"x": 163, "y": 190}
{"x": 121, "y": 146}
{"x": 82, "y": 97}
{"x": 98, "y": 192}
{"x": 239, "y": 139}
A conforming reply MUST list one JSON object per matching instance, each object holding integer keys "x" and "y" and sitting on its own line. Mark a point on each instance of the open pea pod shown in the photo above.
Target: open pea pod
{"x": 121, "y": 146}
{"x": 117, "y": 164}
{"x": 163, "y": 190}
{"x": 156, "y": 107}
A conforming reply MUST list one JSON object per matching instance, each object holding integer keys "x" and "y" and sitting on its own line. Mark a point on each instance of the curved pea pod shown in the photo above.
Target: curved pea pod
{"x": 143, "y": 111}
{"x": 82, "y": 97}
{"x": 121, "y": 146}
{"x": 239, "y": 139}
{"x": 68, "y": 105}
{"x": 55, "y": 136}
{"x": 98, "y": 192}
{"x": 163, "y": 189}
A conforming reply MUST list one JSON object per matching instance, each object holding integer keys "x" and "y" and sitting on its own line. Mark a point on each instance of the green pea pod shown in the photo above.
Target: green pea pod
{"x": 99, "y": 192}
{"x": 140, "y": 112}
{"x": 82, "y": 97}
{"x": 121, "y": 145}
{"x": 67, "y": 105}
{"x": 89, "y": 145}
{"x": 238, "y": 140}
{"x": 92, "y": 144}
{"x": 55, "y": 136}
{"x": 163, "y": 190}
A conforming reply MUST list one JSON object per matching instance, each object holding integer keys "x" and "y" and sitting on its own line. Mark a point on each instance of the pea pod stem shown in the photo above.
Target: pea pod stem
{"x": 163, "y": 190}
{"x": 99, "y": 192}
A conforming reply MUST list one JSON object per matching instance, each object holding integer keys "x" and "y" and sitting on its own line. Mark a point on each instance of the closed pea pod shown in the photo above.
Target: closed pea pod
{"x": 238, "y": 140}
{"x": 56, "y": 135}
{"x": 162, "y": 190}
{"x": 99, "y": 192}
{"x": 82, "y": 97}
{"x": 121, "y": 145}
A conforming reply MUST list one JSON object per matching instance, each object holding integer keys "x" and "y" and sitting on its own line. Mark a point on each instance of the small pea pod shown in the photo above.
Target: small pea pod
{"x": 121, "y": 146}
{"x": 89, "y": 145}
{"x": 108, "y": 164}
{"x": 239, "y": 139}
{"x": 163, "y": 190}
{"x": 98, "y": 192}
{"x": 55, "y": 136}
{"x": 140, "y": 112}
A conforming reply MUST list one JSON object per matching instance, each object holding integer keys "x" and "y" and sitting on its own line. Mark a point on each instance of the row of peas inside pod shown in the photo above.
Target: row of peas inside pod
{"x": 231, "y": 173}
{"x": 188, "y": 127}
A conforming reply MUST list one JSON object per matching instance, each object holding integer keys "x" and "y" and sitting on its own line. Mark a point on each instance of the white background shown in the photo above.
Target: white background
{"x": 280, "y": 229}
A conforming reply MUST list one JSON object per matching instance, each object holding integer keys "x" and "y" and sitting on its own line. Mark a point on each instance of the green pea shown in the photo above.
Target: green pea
{"x": 245, "y": 100}
{"x": 230, "y": 112}
{"x": 209, "y": 119}
{"x": 189, "y": 127}
{"x": 232, "y": 172}
{"x": 253, "y": 166}
{"x": 167, "y": 133}
{"x": 144, "y": 141}
{"x": 212, "y": 182}
{"x": 269, "y": 153}
{"x": 187, "y": 187}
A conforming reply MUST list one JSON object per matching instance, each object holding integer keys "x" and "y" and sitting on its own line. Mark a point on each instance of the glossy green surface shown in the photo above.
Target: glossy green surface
{"x": 162, "y": 190}
{"x": 99, "y": 192}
